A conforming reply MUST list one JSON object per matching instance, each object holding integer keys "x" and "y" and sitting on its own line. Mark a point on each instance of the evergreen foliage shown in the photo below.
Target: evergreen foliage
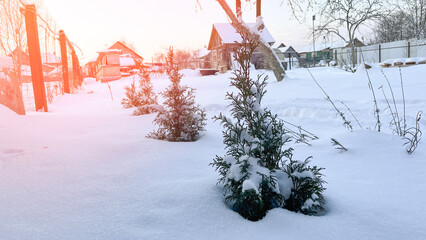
{"x": 254, "y": 171}
{"x": 180, "y": 119}
{"x": 306, "y": 193}
{"x": 132, "y": 98}
{"x": 142, "y": 98}
{"x": 148, "y": 98}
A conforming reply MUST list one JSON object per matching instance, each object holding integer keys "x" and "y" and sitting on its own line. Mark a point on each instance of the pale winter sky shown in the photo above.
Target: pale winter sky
{"x": 153, "y": 25}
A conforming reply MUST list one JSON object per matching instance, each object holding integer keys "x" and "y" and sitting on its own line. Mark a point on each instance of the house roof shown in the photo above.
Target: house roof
{"x": 102, "y": 53}
{"x": 279, "y": 45}
{"x": 358, "y": 43}
{"x": 120, "y": 44}
{"x": 291, "y": 52}
{"x": 229, "y": 35}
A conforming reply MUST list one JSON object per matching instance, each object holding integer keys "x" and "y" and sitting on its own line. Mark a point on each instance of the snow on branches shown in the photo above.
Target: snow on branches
{"x": 254, "y": 171}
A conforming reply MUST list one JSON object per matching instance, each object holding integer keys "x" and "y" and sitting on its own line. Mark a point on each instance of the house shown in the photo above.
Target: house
{"x": 291, "y": 57}
{"x": 126, "y": 51}
{"x": 107, "y": 65}
{"x": 223, "y": 42}
{"x": 327, "y": 51}
{"x": 129, "y": 59}
{"x": 50, "y": 63}
{"x": 113, "y": 63}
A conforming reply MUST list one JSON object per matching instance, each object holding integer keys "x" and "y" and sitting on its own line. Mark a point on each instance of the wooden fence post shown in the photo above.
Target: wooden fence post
{"x": 35, "y": 57}
{"x": 76, "y": 68}
{"x": 64, "y": 57}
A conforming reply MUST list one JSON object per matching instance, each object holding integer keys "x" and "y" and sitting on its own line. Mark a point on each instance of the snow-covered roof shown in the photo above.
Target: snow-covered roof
{"x": 110, "y": 51}
{"x": 228, "y": 34}
{"x": 126, "y": 61}
{"x": 279, "y": 45}
{"x": 120, "y": 46}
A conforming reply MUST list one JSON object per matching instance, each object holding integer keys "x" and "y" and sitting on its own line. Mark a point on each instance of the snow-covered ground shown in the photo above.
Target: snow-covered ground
{"x": 85, "y": 170}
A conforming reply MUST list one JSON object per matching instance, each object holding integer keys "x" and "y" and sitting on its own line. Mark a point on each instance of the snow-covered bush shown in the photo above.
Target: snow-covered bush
{"x": 132, "y": 98}
{"x": 180, "y": 119}
{"x": 254, "y": 171}
{"x": 306, "y": 193}
{"x": 142, "y": 98}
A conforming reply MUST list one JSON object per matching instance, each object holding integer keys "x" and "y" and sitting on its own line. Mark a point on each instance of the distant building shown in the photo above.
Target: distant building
{"x": 113, "y": 63}
{"x": 50, "y": 63}
{"x": 291, "y": 58}
{"x": 108, "y": 65}
{"x": 325, "y": 52}
{"x": 126, "y": 51}
{"x": 223, "y": 42}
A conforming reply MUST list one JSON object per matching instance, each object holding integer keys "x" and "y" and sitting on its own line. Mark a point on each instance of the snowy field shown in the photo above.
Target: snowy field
{"x": 85, "y": 170}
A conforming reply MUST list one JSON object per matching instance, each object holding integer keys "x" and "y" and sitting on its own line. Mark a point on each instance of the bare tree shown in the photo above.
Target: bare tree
{"x": 392, "y": 27}
{"x": 408, "y": 20}
{"x": 12, "y": 41}
{"x": 128, "y": 43}
{"x": 414, "y": 15}
{"x": 343, "y": 18}
{"x": 160, "y": 57}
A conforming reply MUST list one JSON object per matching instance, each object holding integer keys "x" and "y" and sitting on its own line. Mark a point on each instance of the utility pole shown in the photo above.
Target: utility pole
{"x": 313, "y": 38}
{"x": 35, "y": 57}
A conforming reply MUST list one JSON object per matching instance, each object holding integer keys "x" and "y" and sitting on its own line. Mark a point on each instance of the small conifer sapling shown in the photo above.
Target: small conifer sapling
{"x": 179, "y": 119}
{"x": 253, "y": 172}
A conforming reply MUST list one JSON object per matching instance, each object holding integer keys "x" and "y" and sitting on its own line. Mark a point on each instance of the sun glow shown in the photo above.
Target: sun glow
{"x": 152, "y": 26}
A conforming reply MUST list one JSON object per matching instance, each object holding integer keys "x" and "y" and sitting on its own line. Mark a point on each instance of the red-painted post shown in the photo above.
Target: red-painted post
{"x": 64, "y": 57}
{"x": 35, "y": 57}
{"x": 258, "y": 8}
{"x": 76, "y": 69}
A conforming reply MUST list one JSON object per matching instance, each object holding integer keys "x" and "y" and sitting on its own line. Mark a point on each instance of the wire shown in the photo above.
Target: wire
{"x": 53, "y": 32}
{"x": 20, "y": 1}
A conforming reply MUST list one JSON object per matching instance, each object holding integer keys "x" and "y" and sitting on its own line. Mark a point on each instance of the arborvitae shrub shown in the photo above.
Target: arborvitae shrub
{"x": 148, "y": 99}
{"x": 306, "y": 193}
{"x": 179, "y": 119}
{"x": 132, "y": 98}
{"x": 142, "y": 98}
{"x": 254, "y": 141}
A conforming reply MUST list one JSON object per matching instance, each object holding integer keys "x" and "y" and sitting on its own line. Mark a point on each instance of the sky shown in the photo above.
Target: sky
{"x": 154, "y": 25}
